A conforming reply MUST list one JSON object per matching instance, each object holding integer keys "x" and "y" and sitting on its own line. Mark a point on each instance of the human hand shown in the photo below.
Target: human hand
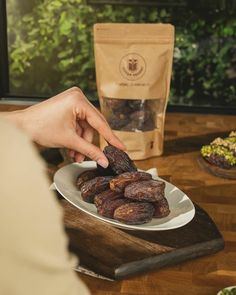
{"x": 68, "y": 120}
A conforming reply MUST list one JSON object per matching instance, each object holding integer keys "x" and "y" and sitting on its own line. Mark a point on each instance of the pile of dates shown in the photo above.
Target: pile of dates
{"x": 123, "y": 193}
{"x": 129, "y": 114}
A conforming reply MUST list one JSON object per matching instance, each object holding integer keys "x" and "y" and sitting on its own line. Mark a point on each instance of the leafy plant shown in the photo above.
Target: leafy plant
{"x": 51, "y": 48}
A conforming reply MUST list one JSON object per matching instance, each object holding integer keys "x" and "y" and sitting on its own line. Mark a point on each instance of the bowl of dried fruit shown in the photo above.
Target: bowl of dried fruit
{"x": 219, "y": 157}
{"x": 228, "y": 291}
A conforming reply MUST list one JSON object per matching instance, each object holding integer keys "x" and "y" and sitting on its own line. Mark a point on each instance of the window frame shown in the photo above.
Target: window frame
{"x": 6, "y": 96}
{"x": 4, "y": 72}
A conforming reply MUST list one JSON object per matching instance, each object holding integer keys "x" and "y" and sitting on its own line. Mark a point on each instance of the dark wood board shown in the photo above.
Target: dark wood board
{"x": 117, "y": 254}
{"x": 217, "y": 171}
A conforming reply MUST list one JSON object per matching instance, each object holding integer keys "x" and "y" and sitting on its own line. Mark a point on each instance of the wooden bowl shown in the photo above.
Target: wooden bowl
{"x": 215, "y": 170}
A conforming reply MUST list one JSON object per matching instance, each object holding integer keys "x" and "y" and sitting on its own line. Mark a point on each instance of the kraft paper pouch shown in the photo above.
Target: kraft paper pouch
{"x": 133, "y": 71}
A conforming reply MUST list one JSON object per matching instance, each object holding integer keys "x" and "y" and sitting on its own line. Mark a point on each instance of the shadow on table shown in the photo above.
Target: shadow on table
{"x": 220, "y": 194}
{"x": 190, "y": 143}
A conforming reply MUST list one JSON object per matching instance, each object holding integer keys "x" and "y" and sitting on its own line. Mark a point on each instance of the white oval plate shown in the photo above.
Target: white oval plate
{"x": 181, "y": 208}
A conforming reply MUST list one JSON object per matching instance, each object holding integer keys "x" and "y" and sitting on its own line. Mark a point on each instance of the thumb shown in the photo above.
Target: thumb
{"x": 89, "y": 150}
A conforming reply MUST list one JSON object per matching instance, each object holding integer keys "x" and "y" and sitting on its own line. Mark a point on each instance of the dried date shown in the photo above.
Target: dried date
{"x": 94, "y": 186}
{"x": 134, "y": 213}
{"x": 140, "y": 116}
{"x": 137, "y": 104}
{"x": 103, "y": 196}
{"x": 149, "y": 124}
{"x": 119, "y": 183}
{"x": 105, "y": 171}
{"x": 219, "y": 160}
{"x": 131, "y": 126}
{"x": 119, "y": 161}
{"x": 161, "y": 208}
{"x": 139, "y": 126}
{"x": 85, "y": 176}
{"x": 117, "y": 122}
{"x": 149, "y": 190}
{"x": 115, "y": 104}
{"x": 109, "y": 206}
{"x": 140, "y": 120}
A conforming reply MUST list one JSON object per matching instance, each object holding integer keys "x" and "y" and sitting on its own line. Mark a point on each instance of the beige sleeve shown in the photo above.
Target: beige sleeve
{"x": 33, "y": 247}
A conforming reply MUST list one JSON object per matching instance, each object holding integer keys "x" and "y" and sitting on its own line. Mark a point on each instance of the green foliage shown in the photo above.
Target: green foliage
{"x": 205, "y": 59}
{"x": 51, "y": 48}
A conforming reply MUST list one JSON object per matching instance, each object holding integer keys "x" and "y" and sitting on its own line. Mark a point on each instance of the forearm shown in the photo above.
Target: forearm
{"x": 22, "y": 119}
{"x": 30, "y": 215}
{"x": 16, "y": 117}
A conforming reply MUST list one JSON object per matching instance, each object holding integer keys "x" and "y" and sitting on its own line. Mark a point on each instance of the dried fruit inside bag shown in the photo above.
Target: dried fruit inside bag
{"x": 132, "y": 115}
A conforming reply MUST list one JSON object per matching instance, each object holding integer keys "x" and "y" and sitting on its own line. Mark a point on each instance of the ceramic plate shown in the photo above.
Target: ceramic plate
{"x": 181, "y": 207}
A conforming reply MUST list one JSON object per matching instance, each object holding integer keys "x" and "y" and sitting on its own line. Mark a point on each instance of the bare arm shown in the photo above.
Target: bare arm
{"x": 67, "y": 120}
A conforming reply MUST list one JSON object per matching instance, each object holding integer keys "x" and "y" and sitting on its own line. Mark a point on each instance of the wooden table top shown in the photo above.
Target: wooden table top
{"x": 184, "y": 135}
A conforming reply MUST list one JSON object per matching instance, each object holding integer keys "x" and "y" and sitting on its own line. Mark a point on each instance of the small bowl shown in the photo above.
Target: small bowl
{"x": 228, "y": 289}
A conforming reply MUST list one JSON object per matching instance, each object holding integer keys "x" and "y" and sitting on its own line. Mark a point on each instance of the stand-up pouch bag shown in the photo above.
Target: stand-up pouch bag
{"x": 133, "y": 71}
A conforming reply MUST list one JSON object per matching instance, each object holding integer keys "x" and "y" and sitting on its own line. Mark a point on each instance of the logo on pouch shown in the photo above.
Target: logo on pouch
{"x": 132, "y": 66}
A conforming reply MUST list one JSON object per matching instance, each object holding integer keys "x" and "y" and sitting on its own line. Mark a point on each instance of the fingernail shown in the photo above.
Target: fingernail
{"x": 103, "y": 163}
{"x": 122, "y": 145}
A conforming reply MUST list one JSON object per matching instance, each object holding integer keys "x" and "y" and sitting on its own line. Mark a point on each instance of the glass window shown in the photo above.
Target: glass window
{"x": 51, "y": 46}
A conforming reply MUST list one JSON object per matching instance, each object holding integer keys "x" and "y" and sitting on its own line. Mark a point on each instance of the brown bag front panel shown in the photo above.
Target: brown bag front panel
{"x": 116, "y": 76}
{"x": 133, "y": 71}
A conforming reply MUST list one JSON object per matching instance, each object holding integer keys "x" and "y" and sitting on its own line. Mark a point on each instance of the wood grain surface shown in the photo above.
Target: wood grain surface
{"x": 184, "y": 135}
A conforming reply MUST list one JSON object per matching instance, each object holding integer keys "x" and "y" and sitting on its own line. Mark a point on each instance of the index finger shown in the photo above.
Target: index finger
{"x": 98, "y": 122}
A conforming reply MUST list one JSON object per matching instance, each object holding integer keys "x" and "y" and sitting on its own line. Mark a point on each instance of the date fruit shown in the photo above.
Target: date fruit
{"x": 119, "y": 183}
{"x": 94, "y": 186}
{"x": 149, "y": 124}
{"x": 105, "y": 171}
{"x": 106, "y": 195}
{"x": 117, "y": 122}
{"x": 140, "y": 116}
{"x": 85, "y": 176}
{"x": 134, "y": 213}
{"x": 149, "y": 190}
{"x": 131, "y": 126}
{"x": 109, "y": 206}
{"x": 137, "y": 104}
{"x": 161, "y": 208}
{"x": 114, "y": 104}
{"x": 119, "y": 161}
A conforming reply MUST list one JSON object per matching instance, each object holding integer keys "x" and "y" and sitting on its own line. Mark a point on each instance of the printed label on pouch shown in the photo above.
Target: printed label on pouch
{"x": 132, "y": 66}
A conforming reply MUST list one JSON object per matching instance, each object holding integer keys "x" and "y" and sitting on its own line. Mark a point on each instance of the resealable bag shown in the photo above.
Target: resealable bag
{"x": 133, "y": 72}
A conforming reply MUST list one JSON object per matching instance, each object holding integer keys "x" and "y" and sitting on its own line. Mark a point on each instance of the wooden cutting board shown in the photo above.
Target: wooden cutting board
{"x": 117, "y": 254}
